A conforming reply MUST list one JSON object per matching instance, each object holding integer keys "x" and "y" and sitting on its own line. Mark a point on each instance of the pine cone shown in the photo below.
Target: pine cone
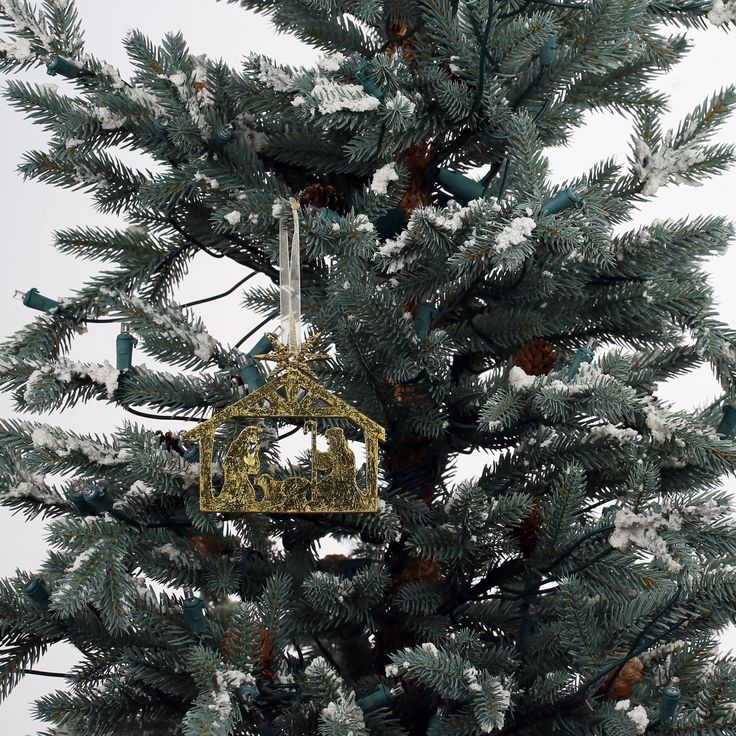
{"x": 623, "y": 686}
{"x": 419, "y": 191}
{"x": 529, "y": 531}
{"x": 230, "y": 643}
{"x": 208, "y": 545}
{"x": 537, "y": 357}
{"x": 410, "y": 395}
{"x": 266, "y": 663}
{"x": 323, "y": 195}
{"x": 415, "y": 569}
{"x": 398, "y": 30}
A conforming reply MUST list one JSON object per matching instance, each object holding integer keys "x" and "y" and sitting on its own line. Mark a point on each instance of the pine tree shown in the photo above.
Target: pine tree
{"x": 589, "y": 564}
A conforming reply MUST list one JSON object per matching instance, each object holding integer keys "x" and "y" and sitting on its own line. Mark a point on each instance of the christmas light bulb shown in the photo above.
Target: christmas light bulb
{"x": 670, "y": 699}
{"x": 251, "y": 374}
{"x": 584, "y": 355}
{"x": 563, "y": 200}
{"x": 248, "y": 692}
{"x": 34, "y": 300}
{"x": 728, "y": 423}
{"x": 56, "y": 64}
{"x": 221, "y": 137}
{"x": 193, "y": 609}
{"x": 425, "y": 313}
{"x": 435, "y": 722}
{"x": 124, "y": 345}
{"x": 548, "y": 52}
{"x": 37, "y": 592}
{"x": 381, "y": 697}
{"x": 97, "y": 498}
{"x": 76, "y": 497}
{"x": 390, "y": 224}
{"x": 264, "y": 345}
{"x": 461, "y": 187}
{"x": 361, "y": 74}
{"x": 162, "y": 125}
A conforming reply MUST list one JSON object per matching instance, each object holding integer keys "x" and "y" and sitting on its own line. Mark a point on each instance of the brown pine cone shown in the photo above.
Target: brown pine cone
{"x": 415, "y": 569}
{"x": 537, "y": 357}
{"x": 398, "y": 30}
{"x": 419, "y": 191}
{"x": 409, "y": 395}
{"x": 623, "y": 686}
{"x": 208, "y": 545}
{"x": 323, "y": 195}
{"x": 266, "y": 663}
{"x": 529, "y": 531}
{"x": 230, "y": 643}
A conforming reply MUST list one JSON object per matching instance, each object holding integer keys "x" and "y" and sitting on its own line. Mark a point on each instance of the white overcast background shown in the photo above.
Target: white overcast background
{"x": 31, "y": 212}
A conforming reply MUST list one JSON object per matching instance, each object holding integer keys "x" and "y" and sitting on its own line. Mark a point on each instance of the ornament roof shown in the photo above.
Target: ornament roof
{"x": 291, "y": 394}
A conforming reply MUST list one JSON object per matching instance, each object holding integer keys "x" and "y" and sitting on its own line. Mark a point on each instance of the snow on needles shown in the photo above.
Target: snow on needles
{"x": 721, "y": 13}
{"x": 637, "y": 714}
{"x": 519, "y": 380}
{"x": 333, "y": 97}
{"x": 19, "y": 49}
{"x": 221, "y": 701}
{"x": 33, "y": 488}
{"x": 65, "y": 444}
{"x": 66, "y": 370}
{"x": 173, "y": 325}
{"x": 108, "y": 120}
{"x": 331, "y": 62}
{"x": 657, "y": 167}
{"x": 272, "y": 76}
{"x": 516, "y": 232}
{"x": 344, "y": 712}
{"x": 640, "y": 530}
{"x": 382, "y": 178}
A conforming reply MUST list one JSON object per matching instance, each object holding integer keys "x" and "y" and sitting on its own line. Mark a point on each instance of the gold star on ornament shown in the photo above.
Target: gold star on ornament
{"x": 287, "y": 358}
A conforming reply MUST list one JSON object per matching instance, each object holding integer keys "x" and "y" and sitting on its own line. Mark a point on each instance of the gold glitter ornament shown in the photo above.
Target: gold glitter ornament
{"x": 291, "y": 394}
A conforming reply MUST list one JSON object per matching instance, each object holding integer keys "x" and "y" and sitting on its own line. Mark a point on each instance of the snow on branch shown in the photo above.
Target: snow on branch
{"x": 65, "y": 371}
{"x": 657, "y": 167}
{"x": 641, "y": 530}
{"x": 62, "y": 444}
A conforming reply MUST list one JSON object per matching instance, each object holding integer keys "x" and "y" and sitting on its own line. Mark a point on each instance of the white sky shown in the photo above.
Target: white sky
{"x": 31, "y": 212}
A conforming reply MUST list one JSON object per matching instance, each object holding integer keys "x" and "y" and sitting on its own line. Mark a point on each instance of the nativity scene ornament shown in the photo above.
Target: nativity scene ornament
{"x": 291, "y": 394}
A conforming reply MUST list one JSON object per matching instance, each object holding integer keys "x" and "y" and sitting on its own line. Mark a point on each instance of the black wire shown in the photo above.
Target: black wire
{"x": 504, "y": 180}
{"x": 482, "y": 68}
{"x": 176, "y": 417}
{"x": 44, "y": 673}
{"x": 169, "y": 525}
{"x": 90, "y": 320}
{"x": 193, "y": 240}
{"x": 326, "y": 654}
{"x": 518, "y": 10}
{"x": 224, "y": 293}
{"x": 633, "y": 648}
{"x": 392, "y": 38}
{"x": 253, "y": 331}
{"x": 534, "y": 84}
{"x": 542, "y": 111}
{"x": 552, "y": 3}
{"x": 289, "y": 433}
{"x": 567, "y": 6}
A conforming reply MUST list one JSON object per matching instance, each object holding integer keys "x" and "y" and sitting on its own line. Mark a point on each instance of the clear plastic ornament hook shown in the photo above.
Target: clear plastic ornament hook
{"x": 290, "y": 281}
